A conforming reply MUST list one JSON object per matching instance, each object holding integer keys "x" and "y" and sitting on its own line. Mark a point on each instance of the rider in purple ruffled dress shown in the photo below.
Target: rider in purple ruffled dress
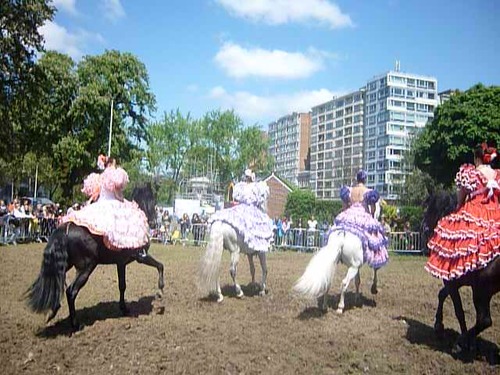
{"x": 248, "y": 217}
{"x": 122, "y": 223}
{"x": 358, "y": 219}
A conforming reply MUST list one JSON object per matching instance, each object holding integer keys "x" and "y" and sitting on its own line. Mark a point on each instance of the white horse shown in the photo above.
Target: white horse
{"x": 224, "y": 236}
{"x": 342, "y": 246}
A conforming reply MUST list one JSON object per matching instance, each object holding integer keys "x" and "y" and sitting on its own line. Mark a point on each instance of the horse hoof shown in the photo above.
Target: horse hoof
{"x": 159, "y": 294}
{"x": 240, "y": 294}
{"x": 262, "y": 293}
{"x": 339, "y": 311}
{"x": 220, "y": 299}
{"x": 374, "y": 290}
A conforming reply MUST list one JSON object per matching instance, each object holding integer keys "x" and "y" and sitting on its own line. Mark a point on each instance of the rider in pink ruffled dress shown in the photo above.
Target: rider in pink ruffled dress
{"x": 121, "y": 223}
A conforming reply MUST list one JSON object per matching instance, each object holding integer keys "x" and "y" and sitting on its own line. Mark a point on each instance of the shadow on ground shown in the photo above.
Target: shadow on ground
{"x": 332, "y": 303}
{"x": 102, "y": 311}
{"x": 422, "y": 334}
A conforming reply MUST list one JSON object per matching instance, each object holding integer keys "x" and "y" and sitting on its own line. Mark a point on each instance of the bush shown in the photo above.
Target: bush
{"x": 413, "y": 214}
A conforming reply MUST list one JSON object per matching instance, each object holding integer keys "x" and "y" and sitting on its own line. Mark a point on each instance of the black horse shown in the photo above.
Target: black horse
{"x": 74, "y": 246}
{"x": 485, "y": 283}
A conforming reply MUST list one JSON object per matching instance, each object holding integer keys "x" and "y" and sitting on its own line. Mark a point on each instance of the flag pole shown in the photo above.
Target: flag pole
{"x": 110, "y": 127}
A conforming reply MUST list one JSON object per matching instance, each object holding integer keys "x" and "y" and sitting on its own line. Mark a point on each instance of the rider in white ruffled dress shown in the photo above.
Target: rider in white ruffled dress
{"x": 121, "y": 223}
{"x": 248, "y": 217}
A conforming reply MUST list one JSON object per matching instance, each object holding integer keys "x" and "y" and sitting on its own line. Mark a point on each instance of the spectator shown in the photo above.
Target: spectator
{"x": 385, "y": 224}
{"x": 185, "y": 226}
{"x": 3, "y": 208}
{"x": 312, "y": 224}
{"x": 197, "y": 228}
{"x": 285, "y": 225}
{"x": 299, "y": 235}
{"x": 279, "y": 230}
{"x": 408, "y": 236}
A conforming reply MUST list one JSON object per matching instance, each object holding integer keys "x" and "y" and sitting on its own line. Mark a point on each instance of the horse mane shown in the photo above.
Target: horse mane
{"x": 144, "y": 196}
{"x": 438, "y": 205}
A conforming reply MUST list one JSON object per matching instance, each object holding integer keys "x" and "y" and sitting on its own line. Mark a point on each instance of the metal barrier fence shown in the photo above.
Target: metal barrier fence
{"x": 304, "y": 240}
{"x": 196, "y": 235}
{"x": 14, "y": 230}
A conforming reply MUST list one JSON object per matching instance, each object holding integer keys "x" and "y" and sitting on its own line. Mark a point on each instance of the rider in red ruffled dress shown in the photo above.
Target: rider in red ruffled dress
{"x": 122, "y": 223}
{"x": 469, "y": 238}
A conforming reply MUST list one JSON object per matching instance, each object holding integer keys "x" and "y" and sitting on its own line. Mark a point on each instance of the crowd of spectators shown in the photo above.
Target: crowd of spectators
{"x": 171, "y": 228}
{"x": 19, "y": 219}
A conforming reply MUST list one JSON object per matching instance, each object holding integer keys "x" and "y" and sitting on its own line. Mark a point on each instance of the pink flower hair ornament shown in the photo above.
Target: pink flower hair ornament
{"x": 101, "y": 162}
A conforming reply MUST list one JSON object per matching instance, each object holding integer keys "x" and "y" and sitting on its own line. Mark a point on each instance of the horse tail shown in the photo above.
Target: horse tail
{"x": 210, "y": 262}
{"x": 45, "y": 292}
{"x": 318, "y": 275}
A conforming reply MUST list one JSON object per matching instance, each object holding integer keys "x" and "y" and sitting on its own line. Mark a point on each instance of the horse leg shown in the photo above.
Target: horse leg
{"x": 252, "y": 267}
{"x": 357, "y": 283}
{"x": 72, "y": 292}
{"x": 457, "y": 304}
{"x": 263, "y": 266}
{"x": 374, "y": 289}
{"x": 122, "y": 285}
{"x": 438, "y": 324}
{"x": 148, "y": 260}
{"x": 235, "y": 258}
{"x": 481, "y": 297}
{"x": 351, "y": 273}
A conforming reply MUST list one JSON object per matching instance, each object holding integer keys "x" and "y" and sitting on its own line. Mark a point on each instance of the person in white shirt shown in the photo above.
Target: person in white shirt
{"x": 312, "y": 223}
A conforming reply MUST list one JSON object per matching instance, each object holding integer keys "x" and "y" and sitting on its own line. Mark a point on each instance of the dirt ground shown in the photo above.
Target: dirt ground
{"x": 275, "y": 334}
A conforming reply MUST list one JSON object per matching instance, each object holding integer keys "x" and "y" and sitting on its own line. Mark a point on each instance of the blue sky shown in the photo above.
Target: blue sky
{"x": 267, "y": 58}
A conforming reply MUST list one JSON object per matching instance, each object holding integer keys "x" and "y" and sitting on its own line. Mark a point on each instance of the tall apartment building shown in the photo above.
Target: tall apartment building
{"x": 336, "y": 143}
{"x": 397, "y": 106}
{"x": 289, "y": 145}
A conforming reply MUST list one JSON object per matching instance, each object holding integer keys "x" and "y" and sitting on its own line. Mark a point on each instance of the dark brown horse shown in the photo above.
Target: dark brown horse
{"x": 485, "y": 283}
{"x": 74, "y": 246}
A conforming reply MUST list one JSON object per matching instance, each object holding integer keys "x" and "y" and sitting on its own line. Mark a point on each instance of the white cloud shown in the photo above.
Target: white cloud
{"x": 254, "y": 107}
{"x": 240, "y": 62}
{"x": 113, "y": 9}
{"x": 68, "y": 6}
{"x": 60, "y": 39}
{"x": 277, "y": 12}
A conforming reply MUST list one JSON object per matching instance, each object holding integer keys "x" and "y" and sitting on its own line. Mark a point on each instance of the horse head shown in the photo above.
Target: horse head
{"x": 437, "y": 205}
{"x": 145, "y": 198}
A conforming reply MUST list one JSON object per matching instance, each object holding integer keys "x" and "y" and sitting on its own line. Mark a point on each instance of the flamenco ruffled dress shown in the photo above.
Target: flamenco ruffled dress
{"x": 358, "y": 221}
{"x": 248, "y": 217}
{"x": 121, "y": 223}
{"x": 469, "y": 238}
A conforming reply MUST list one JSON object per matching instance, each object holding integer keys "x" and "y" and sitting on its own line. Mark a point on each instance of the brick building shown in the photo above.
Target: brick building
{"x": 278, "y": 194}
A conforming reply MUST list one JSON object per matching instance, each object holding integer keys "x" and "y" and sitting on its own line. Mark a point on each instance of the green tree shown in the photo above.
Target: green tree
{"x": 20, "y": 42}
{"x": 467, "y": 119}
{"x": 220, "y": 135}
{"x": 416, "y": 188}
{"x": 300, "y": 204}
{"x": 253, "y": 152}
{"x": 113, "y": 77}
{"x": 169, "y": 143}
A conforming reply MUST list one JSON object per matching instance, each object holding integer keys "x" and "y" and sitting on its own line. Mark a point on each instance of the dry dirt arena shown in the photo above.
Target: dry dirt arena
{"x": 275, "y": 334}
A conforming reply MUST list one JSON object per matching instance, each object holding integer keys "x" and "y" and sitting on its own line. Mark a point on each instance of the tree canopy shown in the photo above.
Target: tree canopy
{"x": 20, "y": 42}
{"x": 464, "y": 121}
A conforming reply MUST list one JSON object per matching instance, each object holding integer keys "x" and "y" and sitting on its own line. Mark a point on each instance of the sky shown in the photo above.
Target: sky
{"x": 268, "y": 58}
